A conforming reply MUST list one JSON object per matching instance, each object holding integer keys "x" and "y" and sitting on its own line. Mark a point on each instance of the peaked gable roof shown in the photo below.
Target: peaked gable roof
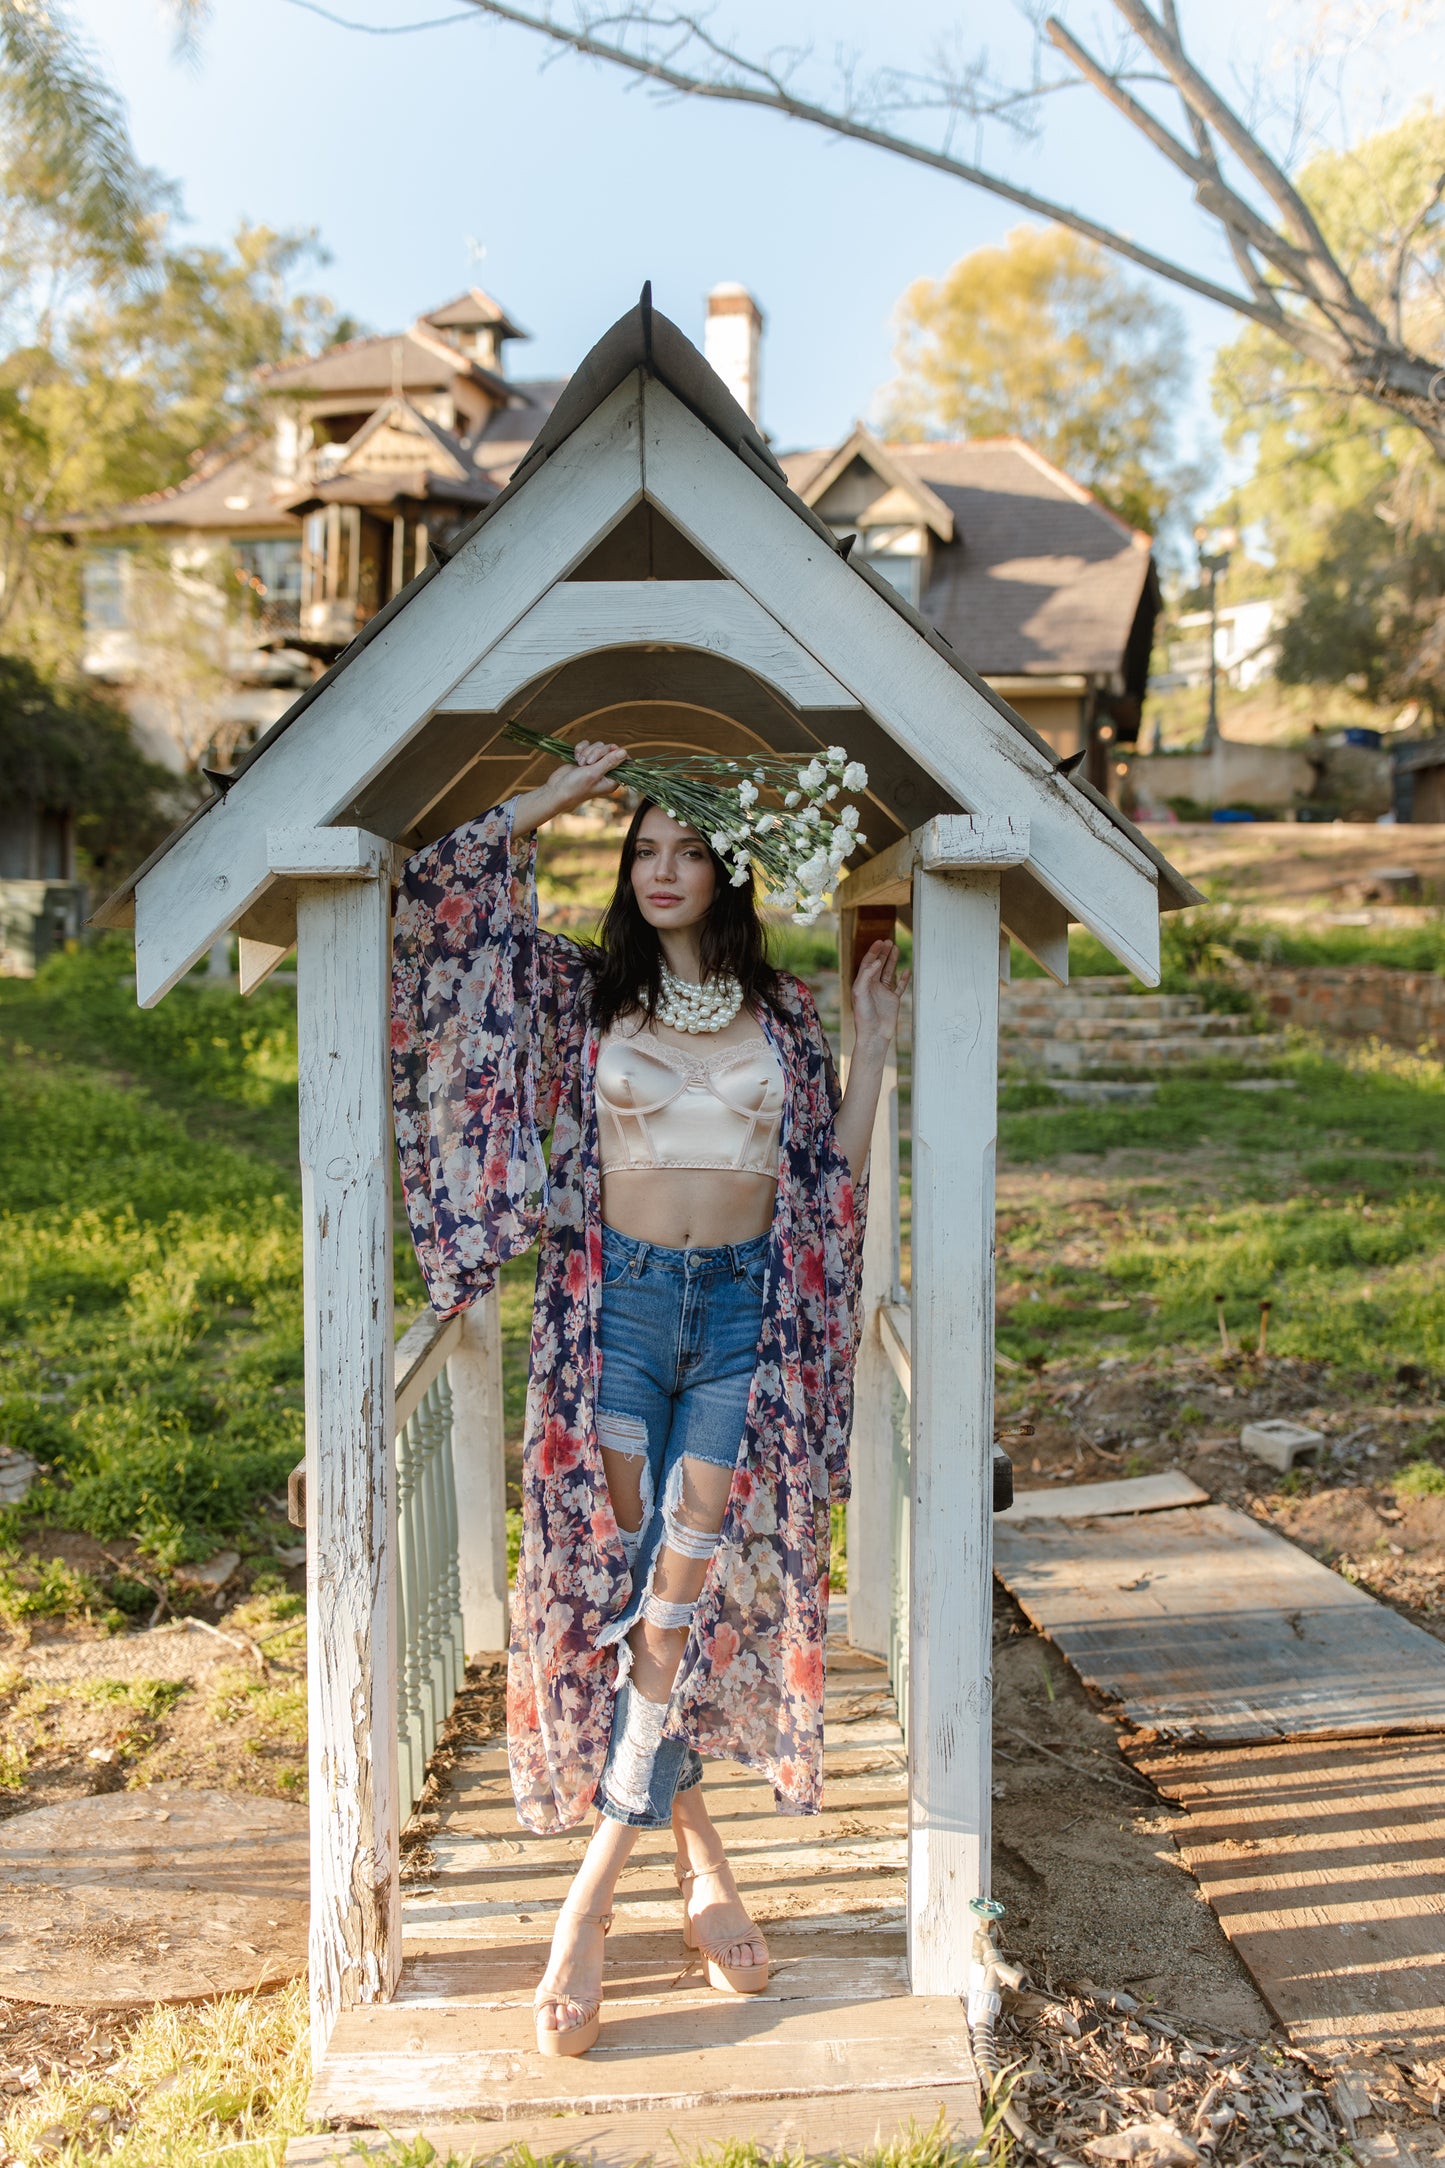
{"x": 1040, "y": 578}
{"x": 414, "y": 360}
{"x": 471, "y": 309}
{"x": 930, "y": 509}
{"x": 644, "y": 344}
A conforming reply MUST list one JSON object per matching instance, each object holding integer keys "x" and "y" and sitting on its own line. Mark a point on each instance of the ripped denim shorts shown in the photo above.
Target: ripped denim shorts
{"x": 680, "y": 1331}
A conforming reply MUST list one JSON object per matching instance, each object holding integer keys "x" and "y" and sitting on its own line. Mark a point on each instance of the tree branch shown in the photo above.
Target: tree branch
{"x": 1330, "y": 323}
{"x": 774, "y": 94}
{"x": 1203, "y": 99}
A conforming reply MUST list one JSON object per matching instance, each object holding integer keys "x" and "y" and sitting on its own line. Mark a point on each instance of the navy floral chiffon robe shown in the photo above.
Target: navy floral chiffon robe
{"x": 493, "y": 1046}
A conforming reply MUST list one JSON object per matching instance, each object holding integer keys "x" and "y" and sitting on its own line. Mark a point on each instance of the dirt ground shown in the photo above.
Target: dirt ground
{"x": 216, "y": 1697}
{"x": 1266, "y": 865}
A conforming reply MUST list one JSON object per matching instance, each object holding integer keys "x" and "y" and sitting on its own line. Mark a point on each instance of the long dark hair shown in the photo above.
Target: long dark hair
{"x": 626, "y": 959}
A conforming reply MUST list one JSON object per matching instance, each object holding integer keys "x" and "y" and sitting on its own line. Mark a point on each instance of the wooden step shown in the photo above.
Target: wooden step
{"x": 836, "y": 2055}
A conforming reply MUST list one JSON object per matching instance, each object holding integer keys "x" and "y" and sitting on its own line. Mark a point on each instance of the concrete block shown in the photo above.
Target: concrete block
{"x": 1280, "y": 1443}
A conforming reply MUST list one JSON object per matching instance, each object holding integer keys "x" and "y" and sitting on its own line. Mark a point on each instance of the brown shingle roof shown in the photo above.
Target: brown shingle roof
{"x": 471, "y": 308}
{"x": 1040, "y": 578}
{"x": 400, "y": 361}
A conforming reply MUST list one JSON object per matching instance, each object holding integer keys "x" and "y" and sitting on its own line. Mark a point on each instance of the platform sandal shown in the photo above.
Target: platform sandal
{"x": 569, "y": 2039}
{"x": 727, "y": 1979}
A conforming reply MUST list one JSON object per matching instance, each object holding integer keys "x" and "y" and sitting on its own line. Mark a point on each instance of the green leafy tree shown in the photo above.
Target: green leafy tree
{"x": 114, "y": 399}
{"x": 64, "y": 747}
{"x": 1350, "y": 506}
{"x": 1044, "y": 337}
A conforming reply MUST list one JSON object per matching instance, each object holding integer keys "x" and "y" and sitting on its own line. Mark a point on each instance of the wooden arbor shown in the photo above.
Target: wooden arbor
{"x": 648, "y": 573}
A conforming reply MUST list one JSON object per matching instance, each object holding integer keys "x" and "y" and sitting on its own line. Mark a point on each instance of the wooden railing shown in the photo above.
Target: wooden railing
{"x": 431, "y": 1659}
{"x": 450, "y": 1521}
{"x": 895, "y": 1331}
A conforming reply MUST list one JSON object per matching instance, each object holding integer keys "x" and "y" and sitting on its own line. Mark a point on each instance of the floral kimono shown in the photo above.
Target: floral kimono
{"x": 493, "y": 1045}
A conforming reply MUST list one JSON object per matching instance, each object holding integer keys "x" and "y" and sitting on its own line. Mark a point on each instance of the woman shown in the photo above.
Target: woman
{"x": 693, "y": 1336}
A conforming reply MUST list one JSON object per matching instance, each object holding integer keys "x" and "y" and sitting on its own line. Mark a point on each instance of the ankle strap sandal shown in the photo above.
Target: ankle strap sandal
{"x": 574, "y": 2039}
{"x": 728, "y": 1979}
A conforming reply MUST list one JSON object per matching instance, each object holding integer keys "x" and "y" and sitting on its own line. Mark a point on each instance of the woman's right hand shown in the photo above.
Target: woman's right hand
{"x": 570, "y": 785}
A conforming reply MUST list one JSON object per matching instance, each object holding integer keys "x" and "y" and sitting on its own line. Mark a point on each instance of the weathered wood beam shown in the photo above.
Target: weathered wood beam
{"x": 950, "y": 842}
{"x": 955, "y": 1081}
{"x": 955, "y": 728}
{"x": 421, "y": 1352}
{"x": 1037, "y": 921}
{"x": 360, "y": 721}
{"x": 257, "y": 960}
{"x": 343, "y": 960}
{"x": 580, "y": 617}
{"x": 869, "y": 1517}
{"x": 478, "y": 1442}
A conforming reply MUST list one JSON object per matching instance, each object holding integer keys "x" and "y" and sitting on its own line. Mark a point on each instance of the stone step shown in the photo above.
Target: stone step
{"x": 1065, "y": 1002}
{"x": 1144, "y": 1029}
{"x": 1084, "y": 1057}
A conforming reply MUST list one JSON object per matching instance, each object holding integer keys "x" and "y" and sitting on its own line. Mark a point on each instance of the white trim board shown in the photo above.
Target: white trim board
{"x": 586, "y": 617}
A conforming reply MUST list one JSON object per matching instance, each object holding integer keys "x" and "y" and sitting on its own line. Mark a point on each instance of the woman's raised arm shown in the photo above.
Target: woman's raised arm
{"x": 877, "y": 992}
{"x": 569, "y": 786}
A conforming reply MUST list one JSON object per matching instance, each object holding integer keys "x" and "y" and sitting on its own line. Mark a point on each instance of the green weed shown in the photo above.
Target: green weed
{"x": 1421, "y": 1479}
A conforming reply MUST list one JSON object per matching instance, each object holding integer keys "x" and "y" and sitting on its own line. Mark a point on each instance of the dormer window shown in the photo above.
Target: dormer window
{"x": 898, "y": 555}
{"x": 864, "y": 490}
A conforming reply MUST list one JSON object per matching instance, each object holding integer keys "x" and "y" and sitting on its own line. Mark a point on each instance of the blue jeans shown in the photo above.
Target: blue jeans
{"x": 680, "y": 1331}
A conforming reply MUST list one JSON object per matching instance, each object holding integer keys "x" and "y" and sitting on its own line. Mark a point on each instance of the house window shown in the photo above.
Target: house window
{"x": 904, "y": 573}
{"x": 104, "y": 590}
{"x": 54, "y": 841}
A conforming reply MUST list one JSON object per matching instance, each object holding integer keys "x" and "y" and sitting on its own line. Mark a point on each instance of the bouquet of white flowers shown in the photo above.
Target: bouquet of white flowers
{"x": 766, "y": 813}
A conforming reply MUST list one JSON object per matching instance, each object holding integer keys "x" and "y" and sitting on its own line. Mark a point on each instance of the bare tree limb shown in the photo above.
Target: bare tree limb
{"x": 1293, "y": 284}
{"x": 774, "y": 94}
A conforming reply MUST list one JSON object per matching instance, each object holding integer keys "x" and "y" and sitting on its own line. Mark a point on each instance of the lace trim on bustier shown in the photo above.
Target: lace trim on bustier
{"x": 658, "y": 1106}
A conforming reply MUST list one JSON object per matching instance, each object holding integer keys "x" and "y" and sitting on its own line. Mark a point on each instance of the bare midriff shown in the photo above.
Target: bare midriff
{"x": 691, "y": 1207}
{"x": 688, "y": 1208}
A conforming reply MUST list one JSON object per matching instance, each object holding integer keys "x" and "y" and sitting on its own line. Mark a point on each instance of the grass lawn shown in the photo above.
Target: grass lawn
{"x": 150, "y": 1360}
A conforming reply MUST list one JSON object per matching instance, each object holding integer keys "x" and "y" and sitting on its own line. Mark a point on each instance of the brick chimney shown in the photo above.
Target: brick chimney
{"x": 733, "y": 343}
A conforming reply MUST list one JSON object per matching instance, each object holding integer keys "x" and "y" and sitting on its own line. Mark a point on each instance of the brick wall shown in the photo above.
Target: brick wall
{"x": 1364, "y": 1001}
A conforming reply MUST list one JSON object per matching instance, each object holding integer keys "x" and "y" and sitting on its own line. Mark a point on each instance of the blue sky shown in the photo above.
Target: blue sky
{"x": 435, "y": 160}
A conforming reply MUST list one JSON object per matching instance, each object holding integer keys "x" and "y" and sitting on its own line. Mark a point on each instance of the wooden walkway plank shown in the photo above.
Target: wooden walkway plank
{"x": 1326, "y": 1866}
{"x": 1130, "y": 1494}
{"x": 846, "y": 2123}
{"x": 1205, "y": 1626}
{"x": 837, "y": 2053}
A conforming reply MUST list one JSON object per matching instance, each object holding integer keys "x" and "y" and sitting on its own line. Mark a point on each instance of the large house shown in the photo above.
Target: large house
{"x": 1047, "y": 594}
{"x": 379, "y": 449}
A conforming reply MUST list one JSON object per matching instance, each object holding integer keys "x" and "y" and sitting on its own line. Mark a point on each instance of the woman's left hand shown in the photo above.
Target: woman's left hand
{"x": 877, "y": 991}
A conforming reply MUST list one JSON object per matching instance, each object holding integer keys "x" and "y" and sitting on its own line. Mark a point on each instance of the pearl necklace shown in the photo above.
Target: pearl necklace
{"x": 684, "y": 1006}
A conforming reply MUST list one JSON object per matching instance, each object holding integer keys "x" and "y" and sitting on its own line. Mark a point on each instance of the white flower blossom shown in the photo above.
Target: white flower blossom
{"x": 813, "y": 874}
{"x": 794, "y": 797}
{"x": 855, "y": 776}
{"x": 741, "y": 875}
{"x": 849, "y": 816}
{"x": 720, "y": 841}
{"x": 814, "y": 776}
{"x": 837, "y": 754}
{"x": 831, "y": 791}
{"x": 812, "y": 816}
{"x": 766, "y": 825}
{"x": 848, "y": 842}
{"x": 747, "y": 792}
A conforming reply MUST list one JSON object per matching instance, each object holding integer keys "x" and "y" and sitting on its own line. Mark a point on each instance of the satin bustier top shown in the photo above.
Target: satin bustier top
{"x": 661, "y": 1106}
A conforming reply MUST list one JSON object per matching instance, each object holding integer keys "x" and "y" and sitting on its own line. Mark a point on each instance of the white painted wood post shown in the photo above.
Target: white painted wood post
{"x": 955, "y": 1084}
{"x": 343, "y": 954}
{"x": 870, "y": 1548}
{"x": 474, "y": 1372}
